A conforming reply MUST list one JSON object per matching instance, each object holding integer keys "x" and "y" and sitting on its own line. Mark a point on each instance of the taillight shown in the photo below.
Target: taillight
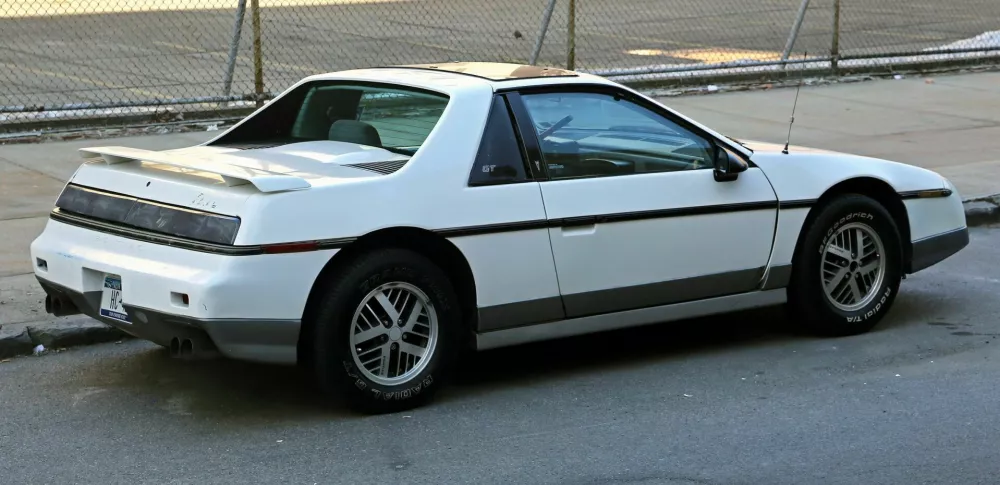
{"x": 150, "y": 216}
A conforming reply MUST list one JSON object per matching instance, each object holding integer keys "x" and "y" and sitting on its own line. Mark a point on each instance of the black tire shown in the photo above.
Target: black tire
{"x": 336, "y": 371}
{"x": 807, "y": 297}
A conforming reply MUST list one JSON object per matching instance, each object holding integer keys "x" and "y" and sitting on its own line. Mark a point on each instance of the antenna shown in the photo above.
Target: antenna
{"x": 795, "y": 103}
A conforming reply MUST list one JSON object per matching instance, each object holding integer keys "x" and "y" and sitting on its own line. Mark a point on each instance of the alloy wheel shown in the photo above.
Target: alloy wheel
{"x": 393, "y": 333}
{"x": 853, "y": 267}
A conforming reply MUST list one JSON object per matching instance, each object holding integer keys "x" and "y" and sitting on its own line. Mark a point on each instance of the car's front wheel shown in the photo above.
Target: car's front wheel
{"x": 385, "y": 332}
{"x": 846, "y": 274}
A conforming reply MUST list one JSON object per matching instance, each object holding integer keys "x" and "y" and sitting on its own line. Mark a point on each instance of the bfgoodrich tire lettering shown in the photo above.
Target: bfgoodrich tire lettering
{"x": 847, "y": 270}
{"x": 356, "y": 367}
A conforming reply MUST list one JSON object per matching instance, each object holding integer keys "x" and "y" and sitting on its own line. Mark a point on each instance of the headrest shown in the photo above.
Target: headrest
{"x": 353, "y": 131}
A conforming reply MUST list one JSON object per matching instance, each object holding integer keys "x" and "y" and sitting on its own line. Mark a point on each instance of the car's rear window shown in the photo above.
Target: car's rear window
{"x": 393, "y": 117}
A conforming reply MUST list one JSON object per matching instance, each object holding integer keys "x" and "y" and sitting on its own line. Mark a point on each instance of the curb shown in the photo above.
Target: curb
{"x": 982, "y": 211}
{"x": 696, "y": 78}
{"x": 22, "y": 338}
{"x": 31, "y": 130}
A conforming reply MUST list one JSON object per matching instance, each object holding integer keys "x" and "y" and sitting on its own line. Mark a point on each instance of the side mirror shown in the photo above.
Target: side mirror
{"x": 727, "y": 165}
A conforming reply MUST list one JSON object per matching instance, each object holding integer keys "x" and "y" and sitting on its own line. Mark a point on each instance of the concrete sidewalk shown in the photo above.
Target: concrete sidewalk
{"x": 950, "y": 123}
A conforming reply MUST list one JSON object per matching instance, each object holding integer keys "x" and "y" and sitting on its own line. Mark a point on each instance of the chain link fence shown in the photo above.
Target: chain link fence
{"x": 154, "y": 60}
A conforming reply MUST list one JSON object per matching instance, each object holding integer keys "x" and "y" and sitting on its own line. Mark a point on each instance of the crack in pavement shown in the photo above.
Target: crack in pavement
{"x": 18, "y": 218}
{"x": 30, "y": 169}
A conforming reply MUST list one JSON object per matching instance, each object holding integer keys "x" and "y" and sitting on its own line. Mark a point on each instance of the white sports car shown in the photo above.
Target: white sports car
{"x": 370, "y": 223}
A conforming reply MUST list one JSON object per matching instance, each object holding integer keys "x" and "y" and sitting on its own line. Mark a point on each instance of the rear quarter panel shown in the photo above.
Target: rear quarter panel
{"x": 430, "y": 192}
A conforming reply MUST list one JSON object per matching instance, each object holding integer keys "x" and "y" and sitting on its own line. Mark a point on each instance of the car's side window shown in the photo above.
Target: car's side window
{"x": 500, "y": 160}
{"x": 588, "y": 134}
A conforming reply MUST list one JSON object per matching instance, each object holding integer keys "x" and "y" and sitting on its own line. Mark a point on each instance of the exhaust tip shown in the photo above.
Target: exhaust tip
{"x": 60, "y": 306}
{"x": 184, "y": 348}
{"x": 53, "y": 305}
{"x": 187, "y": 347}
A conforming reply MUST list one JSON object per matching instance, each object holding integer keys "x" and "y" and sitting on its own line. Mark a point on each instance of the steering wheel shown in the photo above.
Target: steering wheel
{"x": 555, "y": 126}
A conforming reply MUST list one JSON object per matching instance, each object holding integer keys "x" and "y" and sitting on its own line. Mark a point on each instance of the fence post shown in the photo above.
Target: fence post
{"x": 571, "y": 36}
{"x": 795, "y": 30}
{"x": 835, "y": 44}
{"x": 541, "y": 33}
{"x": 258, "y": 65}
{"x": 234, "y": 47}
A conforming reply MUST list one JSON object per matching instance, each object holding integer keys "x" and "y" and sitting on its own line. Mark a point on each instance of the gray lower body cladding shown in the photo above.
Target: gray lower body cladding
{"x": 615, "y": 300}
{"x": 934, "y": 249}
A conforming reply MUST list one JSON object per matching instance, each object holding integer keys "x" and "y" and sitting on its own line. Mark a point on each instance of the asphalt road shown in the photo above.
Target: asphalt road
{"x": 742, "y": 399}
{"x": 111, "y": 50}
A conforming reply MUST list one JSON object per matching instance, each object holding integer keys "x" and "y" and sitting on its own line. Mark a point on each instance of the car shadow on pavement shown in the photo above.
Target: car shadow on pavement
{"x": 235, "y": 392}
{"x": 239, "y": 393}
{"x": 632, "y": 347}
{"x": 221, "y": 390}
{"x": 665, "y": 342}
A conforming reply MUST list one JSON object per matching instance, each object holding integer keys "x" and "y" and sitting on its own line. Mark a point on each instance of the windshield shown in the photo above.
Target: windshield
{"x": 395, "y": 118}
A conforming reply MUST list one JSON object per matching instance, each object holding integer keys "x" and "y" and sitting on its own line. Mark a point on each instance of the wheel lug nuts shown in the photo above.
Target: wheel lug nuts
{"x": 394, "y": 346}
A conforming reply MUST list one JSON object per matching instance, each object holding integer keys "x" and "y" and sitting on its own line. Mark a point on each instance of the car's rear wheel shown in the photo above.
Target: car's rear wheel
{"x": 385, "y": 332}
{"x": 846, "y": 274}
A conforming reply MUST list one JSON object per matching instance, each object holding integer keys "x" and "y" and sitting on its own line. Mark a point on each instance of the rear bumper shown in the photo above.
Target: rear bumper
{"x": 934, "y": 249}
{"x": 249, "y": 307}
{"x": 269, "y": 341}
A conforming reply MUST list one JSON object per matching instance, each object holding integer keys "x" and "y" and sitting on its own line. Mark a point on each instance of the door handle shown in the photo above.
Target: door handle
{"x": 579, "y": 230}
{"x": 575, "y": 226}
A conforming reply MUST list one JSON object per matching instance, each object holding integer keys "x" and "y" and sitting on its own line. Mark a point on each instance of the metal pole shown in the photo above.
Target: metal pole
{"x": 541, "y": 33}
{"x": 795, "y": 29}
{"x": 234, "y": 47}
{"x": 835, "y": 44}
{"x": 258, "y": 65}
{"x": 571, "y": 36}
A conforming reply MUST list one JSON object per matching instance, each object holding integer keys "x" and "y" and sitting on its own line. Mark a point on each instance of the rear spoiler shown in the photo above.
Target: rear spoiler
{"x": 232, "y": 175}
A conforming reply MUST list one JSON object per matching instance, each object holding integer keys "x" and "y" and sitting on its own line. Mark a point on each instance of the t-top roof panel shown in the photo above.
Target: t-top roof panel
{"x": 495, "y": 71}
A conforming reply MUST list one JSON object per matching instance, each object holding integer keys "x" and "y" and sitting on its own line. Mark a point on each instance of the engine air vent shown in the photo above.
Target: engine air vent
{"x": 384, "y": 168}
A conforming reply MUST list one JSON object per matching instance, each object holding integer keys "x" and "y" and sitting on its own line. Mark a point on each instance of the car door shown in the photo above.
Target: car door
{"x": 510, "y": 255}
{"x": 636, "y": 217}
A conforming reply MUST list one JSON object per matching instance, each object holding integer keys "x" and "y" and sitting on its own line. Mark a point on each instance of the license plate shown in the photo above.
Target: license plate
{"x": 111, "y": 300}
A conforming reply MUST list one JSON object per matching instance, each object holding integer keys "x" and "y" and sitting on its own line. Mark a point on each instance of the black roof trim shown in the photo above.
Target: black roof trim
{"x": 488, "y": 70}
